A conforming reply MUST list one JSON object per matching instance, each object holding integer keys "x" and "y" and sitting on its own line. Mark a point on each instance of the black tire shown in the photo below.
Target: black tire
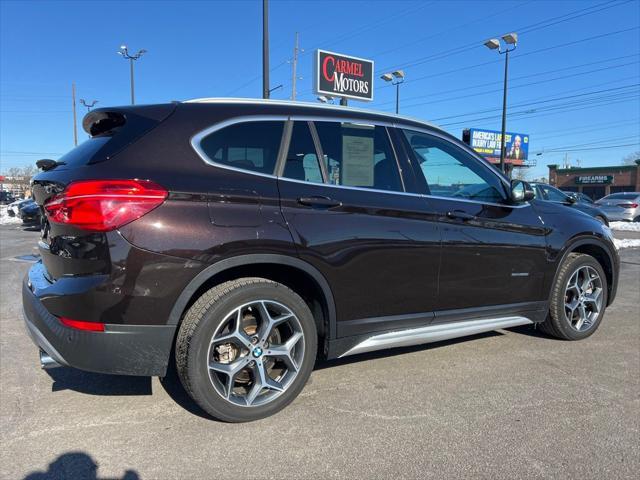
{"x": 201, "y": 322}
{"x": 556, "y": 323}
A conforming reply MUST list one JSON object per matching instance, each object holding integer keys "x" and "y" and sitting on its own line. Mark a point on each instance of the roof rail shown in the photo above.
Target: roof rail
{"x": 308, "y": 104}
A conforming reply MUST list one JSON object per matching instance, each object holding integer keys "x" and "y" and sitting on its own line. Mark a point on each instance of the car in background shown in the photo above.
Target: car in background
{"x": 548, "y": 193}
{"x": 580, "y": 197}
{"x": 30, "y": 214}
{"x": 624, "y": 206}
{"x": 5, "y": 197}
{"x": 14, "y": 208}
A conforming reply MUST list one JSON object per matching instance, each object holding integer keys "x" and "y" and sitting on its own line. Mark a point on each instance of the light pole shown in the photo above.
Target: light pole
{"x": 88, "y": 105}
{"x": 396, "y": 78}
{"x": 510, "y": 40}
{"x": 124, "y": 52}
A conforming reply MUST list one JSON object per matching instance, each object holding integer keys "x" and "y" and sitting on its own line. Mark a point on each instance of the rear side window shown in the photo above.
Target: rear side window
{"x": 250, "y": 146}
{"x": 358, "y": 155}
{"x": 451, "y": 172}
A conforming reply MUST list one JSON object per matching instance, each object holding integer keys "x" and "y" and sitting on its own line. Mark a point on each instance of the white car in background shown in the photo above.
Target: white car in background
{"x": 623, "y": 206}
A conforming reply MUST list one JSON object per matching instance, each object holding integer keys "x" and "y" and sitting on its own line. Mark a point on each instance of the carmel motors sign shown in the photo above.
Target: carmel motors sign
{"x": 343, "y": 76}
{"x": 591, "y": 179}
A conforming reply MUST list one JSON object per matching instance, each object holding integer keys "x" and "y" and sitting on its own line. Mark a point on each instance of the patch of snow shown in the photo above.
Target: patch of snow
{"x": 625, "y": 226}
{"x": 626, "y": 243}
{"x": 5, "y": 219}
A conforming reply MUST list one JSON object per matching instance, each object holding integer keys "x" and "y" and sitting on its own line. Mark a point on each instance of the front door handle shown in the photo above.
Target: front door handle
{"x": 319, "y": 201}
{"x": 460, "y": 215}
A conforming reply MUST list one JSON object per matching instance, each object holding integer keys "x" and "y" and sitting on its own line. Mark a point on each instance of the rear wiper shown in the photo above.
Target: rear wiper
{"x": 47, "y": 164}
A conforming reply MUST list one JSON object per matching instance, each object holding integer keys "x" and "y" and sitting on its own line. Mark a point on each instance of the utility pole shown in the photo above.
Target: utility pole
{"x": 294, "y": 68}
{"x": 75, "y": 116}
{"x": 265, "y": 49}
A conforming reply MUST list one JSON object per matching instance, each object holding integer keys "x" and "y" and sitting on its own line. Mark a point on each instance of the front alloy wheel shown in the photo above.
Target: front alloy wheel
{"x": 583, "y": 298}
{"x": 578, "y": 298}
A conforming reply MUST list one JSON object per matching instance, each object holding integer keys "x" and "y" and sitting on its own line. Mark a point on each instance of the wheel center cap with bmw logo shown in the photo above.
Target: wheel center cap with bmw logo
{"x": 257, "y": 352}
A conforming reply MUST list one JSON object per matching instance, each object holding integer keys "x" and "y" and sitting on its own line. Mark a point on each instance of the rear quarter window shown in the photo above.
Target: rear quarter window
{"x": 249, "y": 146}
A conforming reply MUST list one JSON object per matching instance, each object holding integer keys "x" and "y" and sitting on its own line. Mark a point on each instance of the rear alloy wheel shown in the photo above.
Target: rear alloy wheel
{"x": 246, "y": 349}
{"x": 578, "y": 299}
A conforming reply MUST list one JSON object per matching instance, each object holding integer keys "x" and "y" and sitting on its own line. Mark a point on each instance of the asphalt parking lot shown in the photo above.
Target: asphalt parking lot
{"x": 508, "y": 404}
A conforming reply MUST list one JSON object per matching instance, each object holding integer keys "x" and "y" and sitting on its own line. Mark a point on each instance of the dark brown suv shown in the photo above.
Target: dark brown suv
{"x": 243, "y": 239}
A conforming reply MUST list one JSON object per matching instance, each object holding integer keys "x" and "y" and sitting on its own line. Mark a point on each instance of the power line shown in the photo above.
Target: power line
{"x": 501, "y": 11}
{"x": 562, "y": 150}
{"x": 524, "y": 29}
{"x": 534, "y": 112}
{"x": 515, "y": 56}
{"x": 588, "y": 144}
{"x": 530, "y": 103}
{"x": 515, "y": 79}
{"x": 586, "y": 128}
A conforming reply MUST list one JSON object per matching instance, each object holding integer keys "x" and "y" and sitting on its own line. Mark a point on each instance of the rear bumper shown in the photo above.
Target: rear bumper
{"x": 617, "y": 216}
{"x": 120, "y": 349}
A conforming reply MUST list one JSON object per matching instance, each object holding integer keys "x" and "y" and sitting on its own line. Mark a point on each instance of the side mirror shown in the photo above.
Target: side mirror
{"x": 521, "y": 191}
{"x": 571, "y": 199}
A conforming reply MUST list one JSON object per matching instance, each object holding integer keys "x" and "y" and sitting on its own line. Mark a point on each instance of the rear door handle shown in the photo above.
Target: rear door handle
{"x": 460, "y": 215}
{"x": 319, "y": 201}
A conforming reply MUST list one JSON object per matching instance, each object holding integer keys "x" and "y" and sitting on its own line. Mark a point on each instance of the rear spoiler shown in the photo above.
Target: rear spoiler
{"x": 105, "y": 121}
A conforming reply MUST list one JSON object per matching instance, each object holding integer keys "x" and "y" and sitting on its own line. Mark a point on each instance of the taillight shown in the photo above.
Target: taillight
{"x": 628, "y": 205}
{"x": 103, "y": 205}
{"x": 82, "y": 325}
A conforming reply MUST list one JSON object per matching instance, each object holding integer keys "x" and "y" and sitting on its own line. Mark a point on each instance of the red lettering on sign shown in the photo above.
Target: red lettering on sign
{"x": 328, "y": 59}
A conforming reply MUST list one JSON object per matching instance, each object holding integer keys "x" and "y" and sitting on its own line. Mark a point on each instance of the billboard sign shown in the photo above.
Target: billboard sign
{"x": 594, "y": 179}
{"x": 340, "y": 75}
{"x": 487, "y": 144}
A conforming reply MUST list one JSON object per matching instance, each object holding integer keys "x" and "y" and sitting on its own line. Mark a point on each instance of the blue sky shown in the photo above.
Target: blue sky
{"x": 574, "y": 78}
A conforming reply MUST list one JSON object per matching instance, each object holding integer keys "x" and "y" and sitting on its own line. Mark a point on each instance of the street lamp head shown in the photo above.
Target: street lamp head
{"x": 398, "y": 73}
{"x": 510, "y": 38}
{"x": 387, "y": 77}
{"x": 142, "y": 52}
{"x": 492, "y": 43}
{"x": 123, "y": 47}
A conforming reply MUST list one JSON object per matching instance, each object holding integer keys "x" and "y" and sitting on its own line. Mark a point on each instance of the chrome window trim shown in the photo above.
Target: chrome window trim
{"x": 466, "y": 200}
{"x": 197, "y": 138}
{"x": 347, "y": 187}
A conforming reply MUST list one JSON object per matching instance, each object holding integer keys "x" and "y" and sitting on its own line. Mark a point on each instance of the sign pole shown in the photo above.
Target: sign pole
{"x": 265, "y": 49}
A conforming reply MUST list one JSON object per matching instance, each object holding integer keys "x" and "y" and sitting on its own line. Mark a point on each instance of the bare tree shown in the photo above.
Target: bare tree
{"x": 521, "y": 174}
{"x": 631, "y": 158}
